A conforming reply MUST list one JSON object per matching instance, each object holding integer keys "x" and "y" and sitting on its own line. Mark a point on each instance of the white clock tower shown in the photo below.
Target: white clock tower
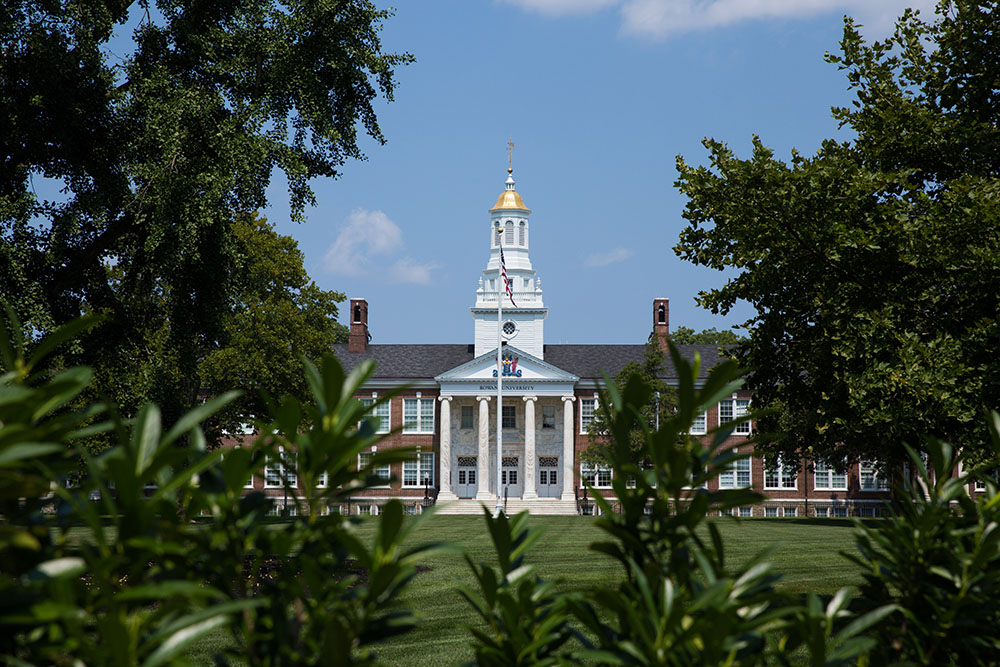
{"x": 522, "y": 319}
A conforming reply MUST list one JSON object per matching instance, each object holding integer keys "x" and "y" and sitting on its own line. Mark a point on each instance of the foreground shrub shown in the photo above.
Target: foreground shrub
{"x": 937, "y": 560}
{"x": 678, "y": 602}
{"x": 155, "y": 577}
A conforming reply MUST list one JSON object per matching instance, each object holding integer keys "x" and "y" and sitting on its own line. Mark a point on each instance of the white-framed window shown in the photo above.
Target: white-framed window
{"x": 790, "y": 512}
{"x": 290, "y": 460}
{"x": 597, "y": 475}
{"x": 868, "y": 511}
{"x": 781, "y": 476}
{"x": 276, "y": 467}
{"x": 510, "y": 416}
{"x": 827, "y": 478}
{"x": 587, "y": 407}
{"x": 771, "y": 511}
{"x": 382, "y": 471}
{"x": 291, "y": 509}
{"x": 548, "y": 416}
{"x": 418, "y": 468}
{"x": 872, "y": 479}
{"x": 838, "y": 511}
{"x": 980, "y": 484}
{"x": 368, "y": 509}
{"x": 746, "y": 512}
{"x": 700, "y": 424}
{"x": 380, "y": 413}
{"x": 322, "y": 480}
{"x": 418, "y": 415}
{"x": 732, "y": 408}
{"x": 468, "y": 417}
{"x": 737, "y": 476}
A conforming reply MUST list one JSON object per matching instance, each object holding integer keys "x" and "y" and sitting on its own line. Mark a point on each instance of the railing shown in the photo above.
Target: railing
{"x": 526, "y": 296}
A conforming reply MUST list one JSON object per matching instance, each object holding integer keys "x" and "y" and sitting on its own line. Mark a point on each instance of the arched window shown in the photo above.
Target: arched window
{"x": 661, "y": 314}
{"x": 357, "y": 312}
{"x": 508, "y": 233}
{"x": 521, "y": 234}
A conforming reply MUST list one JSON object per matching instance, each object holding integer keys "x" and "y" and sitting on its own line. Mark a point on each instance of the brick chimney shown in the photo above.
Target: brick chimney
{"x": 661, "y": 323}
{"x": 357, "y": 342}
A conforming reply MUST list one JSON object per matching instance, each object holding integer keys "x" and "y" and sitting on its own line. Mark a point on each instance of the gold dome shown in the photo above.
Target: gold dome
{"x": 509, "y": 199}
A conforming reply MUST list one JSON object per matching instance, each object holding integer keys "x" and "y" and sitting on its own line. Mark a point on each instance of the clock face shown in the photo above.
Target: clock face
{"x": 509, "y": 329}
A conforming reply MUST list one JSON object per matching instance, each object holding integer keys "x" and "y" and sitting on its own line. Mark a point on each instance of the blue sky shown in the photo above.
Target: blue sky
{"x": 599, "y": 97}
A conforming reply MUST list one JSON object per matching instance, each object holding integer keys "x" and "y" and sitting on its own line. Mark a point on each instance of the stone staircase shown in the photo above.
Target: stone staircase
{"x": 538, "y": 507}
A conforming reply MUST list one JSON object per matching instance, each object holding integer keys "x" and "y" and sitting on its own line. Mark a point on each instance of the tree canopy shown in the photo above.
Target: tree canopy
{"x": 662, "y": 402}
{"x": 156, "y": 151}
{"x": 688, "y": 336}
{"x": 873, "y": 263}
{"x": 280, "y": 318}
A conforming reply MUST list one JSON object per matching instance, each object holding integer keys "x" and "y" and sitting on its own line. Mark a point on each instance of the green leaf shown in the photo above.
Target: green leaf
{"x": 59, "y": 568}
{"x": 61, "y": 335}
{"x": 20, "y": 452}
{"x": 199, "y": 414}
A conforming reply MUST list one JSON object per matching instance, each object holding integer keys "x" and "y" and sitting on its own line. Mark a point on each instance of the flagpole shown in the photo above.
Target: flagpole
{"x": 500, "y": 295}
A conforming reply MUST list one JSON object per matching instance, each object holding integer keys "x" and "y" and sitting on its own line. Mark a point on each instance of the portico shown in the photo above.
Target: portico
{"x": 537, "y": 422}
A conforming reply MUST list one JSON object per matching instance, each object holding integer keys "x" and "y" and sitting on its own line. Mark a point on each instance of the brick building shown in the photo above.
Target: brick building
{"x": 448, "y": 411}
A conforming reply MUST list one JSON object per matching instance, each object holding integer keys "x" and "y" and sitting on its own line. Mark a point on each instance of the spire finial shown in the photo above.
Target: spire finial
{"x": 510, "y": 155}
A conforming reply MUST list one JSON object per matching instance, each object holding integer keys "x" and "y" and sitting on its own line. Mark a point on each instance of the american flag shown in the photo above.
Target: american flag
{"x": 506, "y": 283}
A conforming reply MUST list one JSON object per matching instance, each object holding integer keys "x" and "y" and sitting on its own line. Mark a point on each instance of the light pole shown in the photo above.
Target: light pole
{"x": 427, "y": 488}
{"x": 500, "y": 293}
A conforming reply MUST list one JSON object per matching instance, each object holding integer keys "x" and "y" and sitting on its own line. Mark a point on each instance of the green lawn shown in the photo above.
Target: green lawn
{"x": 807, "y": 552}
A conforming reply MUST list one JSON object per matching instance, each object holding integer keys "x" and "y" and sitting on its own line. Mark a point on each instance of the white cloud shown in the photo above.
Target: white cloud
{"x": 408, "y": 270}
{"x": 657, "y": 19}
{"x": 609, "y": 257}
{"x": 365, "y": 236}
{"x": 562, "y": 7}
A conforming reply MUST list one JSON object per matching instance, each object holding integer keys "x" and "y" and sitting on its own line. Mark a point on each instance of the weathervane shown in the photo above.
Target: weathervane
{"x": 510, "y": 154}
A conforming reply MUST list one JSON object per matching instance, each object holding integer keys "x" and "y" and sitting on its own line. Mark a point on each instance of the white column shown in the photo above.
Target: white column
{"x": 444, "y": 467}
{"x": 569, "y": 449}
{"x": 483, "y": 460}
{"x": 529, "y": 448}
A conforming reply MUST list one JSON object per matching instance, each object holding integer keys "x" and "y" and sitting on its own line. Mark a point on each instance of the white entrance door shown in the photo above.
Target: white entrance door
{"x": 466, "y": 486}
{"x": 548, "y": 476}
{"x": 510, "y": 477}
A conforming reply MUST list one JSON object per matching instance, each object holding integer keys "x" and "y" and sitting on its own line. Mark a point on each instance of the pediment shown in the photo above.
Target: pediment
{"x": 518, "y": 366}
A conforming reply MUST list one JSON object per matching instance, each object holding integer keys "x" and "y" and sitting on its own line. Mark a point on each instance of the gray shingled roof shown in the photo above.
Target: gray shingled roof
{"x": 587, "y": 361}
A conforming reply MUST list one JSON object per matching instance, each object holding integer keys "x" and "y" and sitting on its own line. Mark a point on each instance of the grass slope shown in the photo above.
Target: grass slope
{"x": 807, "y": 552}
